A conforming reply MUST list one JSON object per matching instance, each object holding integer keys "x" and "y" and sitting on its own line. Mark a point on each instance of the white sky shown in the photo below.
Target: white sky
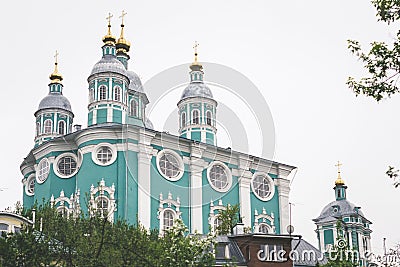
{"x": 294, "y": 51}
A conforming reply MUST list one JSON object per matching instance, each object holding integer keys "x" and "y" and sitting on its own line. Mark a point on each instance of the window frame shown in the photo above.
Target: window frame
{"x": 28, "y": 181}
{"x": 101, "y": 91}
{"x": 99, "y": 146}
{"x": 134, "y": 112}
{"x": 183, "y": 119}
{"x": 117, "y": 92}
{"x": 181, "y": 167}
{"x": 195, "y": 120}
{"x": 228, "y": 176}
{"x": 208, "y": 118}
{"x": 58, "y": 159}
{"x": 63, "y": 127}
{"x": 271, "y": 185}
{"x": 41, "y": 177}
{"x": 46, "y": 126}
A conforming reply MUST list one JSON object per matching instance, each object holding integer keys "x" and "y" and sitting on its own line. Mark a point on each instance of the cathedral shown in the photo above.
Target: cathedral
{"x": 120, "y": 167}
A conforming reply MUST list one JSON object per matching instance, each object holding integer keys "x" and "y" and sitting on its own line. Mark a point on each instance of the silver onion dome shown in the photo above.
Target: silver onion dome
{"x": 338, "y": 208}
{"x": 197, "y": 89}
{"x": 55, "y": 100}
{"x": 134, "y": 82}
{"x": 109, "y": 63}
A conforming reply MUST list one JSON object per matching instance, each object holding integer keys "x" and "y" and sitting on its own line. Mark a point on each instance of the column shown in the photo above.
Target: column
{"x": 196, "y": 195}
{"x": 283, "y": 196}
{"x": 144, "y": 179}
{"x": 197, "y": 166}
{"x": 244, "y": 197}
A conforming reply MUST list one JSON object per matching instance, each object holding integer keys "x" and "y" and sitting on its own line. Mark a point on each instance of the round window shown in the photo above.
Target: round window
{"x": 263, "y": 186}
{"x": 170, "y": 164}
{"x": 30, "y": 186}
{"x": 65, "y": 165}
{"x": 104, "y": 154}
{"x": 219, "y": 176}
{"x": 43, "y": 170}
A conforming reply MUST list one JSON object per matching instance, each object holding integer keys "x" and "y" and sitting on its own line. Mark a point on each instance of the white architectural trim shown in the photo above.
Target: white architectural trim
{"x": 212, "y": 216}
{"x": 41, "y": 177}
{"x": 180, "y": 164}
{"x": 244, "y": 198}
{"x": 270, "y": 182}
{"x": 283, "y": 186}
{"x": 58, "y": 158}
{"x": 228, "y": 176}
{"x": 144, "y": 178}
{"x": 103, "y": 192}
{"x": 96, "y": 149}
{"x": 27, "y": 182}
{"x": 196, "y": 195}
{"x": 171, "y": 205}
{"x": 264, "y": 218}
{"x": 70, "y": 205}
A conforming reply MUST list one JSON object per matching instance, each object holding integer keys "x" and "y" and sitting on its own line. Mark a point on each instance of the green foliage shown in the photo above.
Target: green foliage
{"x": 228, "y": 218}
{"x": 94, "y": 241}
{"x": 381, "y": 61}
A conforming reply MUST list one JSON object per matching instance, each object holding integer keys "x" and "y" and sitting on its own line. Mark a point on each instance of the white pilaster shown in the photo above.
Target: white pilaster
{"x": 144, "y": 179}
{"x": 350, "y": 241}
{"x": 283, "y": 197}
{"x": 94, "y": 121}
{"x": 244, "y": 198}
{"x": 109, "y": 114}
{"x": 196, "y": 195}
{"x": 321, "y": 240}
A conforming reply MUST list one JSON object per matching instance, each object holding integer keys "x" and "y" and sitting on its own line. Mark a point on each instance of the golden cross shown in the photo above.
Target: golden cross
{"x": 122, "y": 16}
{"x": 338, "y": 166}
{"x": 109, "y": 18}
{"x": 196, "y": 44}
{"x": 56, "y": 56}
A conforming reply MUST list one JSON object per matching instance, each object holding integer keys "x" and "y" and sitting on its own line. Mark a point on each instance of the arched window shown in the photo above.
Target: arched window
{"x": 91, "y": 95}
{"x": 263, "y": 228}
{"x": 37, "y": 128}
{"x": 134, "y": 108}
{"x": 61, "y": 127}
{"x": 117, "y": 93}
{"x": 183, "y": 119}
{"x": 217, "y": 223}
{"x": 168, "y": 219}
{"x": 48, "y": 125}
{"x": 102, "y": 92}
{"x": 195, "y": 117}
{"x": 208, "y": 117}
{"x": 102, "y": 206}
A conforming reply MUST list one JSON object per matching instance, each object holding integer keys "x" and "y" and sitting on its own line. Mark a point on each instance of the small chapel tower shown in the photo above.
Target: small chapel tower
{"x": 197, "y": 107}
{"x": 54, "y": 116}
{"x": 341, "y": 223}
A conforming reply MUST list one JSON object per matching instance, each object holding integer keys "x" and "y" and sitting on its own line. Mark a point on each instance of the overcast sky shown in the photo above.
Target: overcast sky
{"x": 293, "y": 51}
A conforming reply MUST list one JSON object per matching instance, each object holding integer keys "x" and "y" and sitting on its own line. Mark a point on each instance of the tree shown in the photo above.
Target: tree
{"x": 228, "y": 217}
{"x": 94, "y": 241}
{"x": 382, "y": 61}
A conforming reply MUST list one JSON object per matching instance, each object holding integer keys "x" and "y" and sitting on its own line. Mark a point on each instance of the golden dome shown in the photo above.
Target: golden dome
{"x": 109, "y": 38}
{"x": 123, "y": 45}
{"x": 56, "y": 76}
{"x": 339, "y": 180}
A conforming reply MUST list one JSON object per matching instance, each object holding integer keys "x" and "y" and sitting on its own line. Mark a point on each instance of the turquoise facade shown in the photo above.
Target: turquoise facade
{"x": 119, "y": 167}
